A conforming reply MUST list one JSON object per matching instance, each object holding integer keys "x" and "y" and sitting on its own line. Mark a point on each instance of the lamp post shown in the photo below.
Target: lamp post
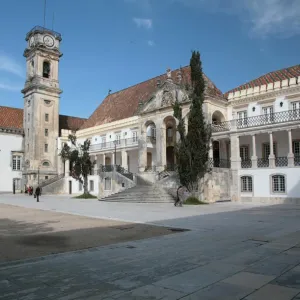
{"x": 38, "y": 175}
{"x": 115, "y": 143}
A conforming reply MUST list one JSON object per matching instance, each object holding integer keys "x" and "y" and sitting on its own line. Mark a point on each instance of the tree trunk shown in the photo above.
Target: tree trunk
{"x": 85, "y": 185}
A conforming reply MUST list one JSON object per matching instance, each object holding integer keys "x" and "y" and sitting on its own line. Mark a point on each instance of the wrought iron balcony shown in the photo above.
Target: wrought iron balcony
{"x": 247, "y": 163}
{"x": 297, "y": 160}
{"x": 281, "y": 161}
{"x": 261, "y": 120}
{"x": 219, "y": 163}
{"x": 262, "y": 162}
{"x": 130, "y": 142}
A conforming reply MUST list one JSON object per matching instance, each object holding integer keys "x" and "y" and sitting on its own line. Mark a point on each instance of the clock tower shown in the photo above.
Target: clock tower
{"x": 41, "y": 105}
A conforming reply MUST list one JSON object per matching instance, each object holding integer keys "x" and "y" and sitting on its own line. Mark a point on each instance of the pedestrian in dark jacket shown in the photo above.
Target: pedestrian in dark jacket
{"x": 37, "y": 193}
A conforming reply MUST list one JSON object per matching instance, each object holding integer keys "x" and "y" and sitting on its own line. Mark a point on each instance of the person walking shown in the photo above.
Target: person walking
{"x": 37, "y": 193}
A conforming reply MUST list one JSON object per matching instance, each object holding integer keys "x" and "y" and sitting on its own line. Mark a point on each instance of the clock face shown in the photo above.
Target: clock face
{"x": 31, "y": 42}
{"x": 49, "y": 41}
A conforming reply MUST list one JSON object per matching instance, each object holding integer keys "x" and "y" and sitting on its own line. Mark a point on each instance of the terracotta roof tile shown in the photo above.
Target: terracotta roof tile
{"x": 124, "y": 104}
{"x": 271, "y": 77}
{"x": 13, "y": 118}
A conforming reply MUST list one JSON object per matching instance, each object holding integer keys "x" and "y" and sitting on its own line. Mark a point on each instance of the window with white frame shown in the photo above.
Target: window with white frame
{"x": 103, "y": 139}
{"x": 17, "y": 183}
{"x": 268, "y": 114}
{"x": 134, "y": 136}
{"x": 244, "y": 153}
{"x": 296, "y": 108}
{"x": 242, "y": 117}
{"x": 118, "y": 138}
{"x": 91, "y": 185}
{"x": 16, "y": 162}
{"x": 278, "y": 184}
{"x": 267, "y": 151}
{"x": 296, "y": 148}
{"x": 246, "y": 184}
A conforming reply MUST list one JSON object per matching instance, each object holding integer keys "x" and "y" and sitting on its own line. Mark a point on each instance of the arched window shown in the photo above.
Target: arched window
{"x": 246, "y": 184}
{"x": 46, "y": 164}
{"x": 278, "y": 184}
{"x": 46, "y": 69}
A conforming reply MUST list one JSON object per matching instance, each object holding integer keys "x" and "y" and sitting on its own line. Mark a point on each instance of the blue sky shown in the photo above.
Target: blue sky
{"x": 117, "y": 43}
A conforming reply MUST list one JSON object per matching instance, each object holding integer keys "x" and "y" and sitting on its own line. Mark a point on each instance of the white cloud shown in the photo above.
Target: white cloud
{"x": 143, "y": 23}
{"x": 9, "y": 65}
{"x": 280, "y": 18}
{"x": 150, "y": 43}
{"x": 9, "y": 87}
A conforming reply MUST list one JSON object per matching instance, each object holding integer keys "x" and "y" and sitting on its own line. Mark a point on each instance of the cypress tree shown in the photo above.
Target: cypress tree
{"x": 193, "y": 148}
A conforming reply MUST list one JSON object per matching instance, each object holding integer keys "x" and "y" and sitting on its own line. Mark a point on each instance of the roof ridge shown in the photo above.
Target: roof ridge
{"x": 11, "y": 107}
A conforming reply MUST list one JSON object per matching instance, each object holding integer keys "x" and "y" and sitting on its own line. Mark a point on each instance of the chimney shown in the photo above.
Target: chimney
{"x": 169, "y": 75}
{"x": 179, "y": 76}
{"x": 158, "y": 83}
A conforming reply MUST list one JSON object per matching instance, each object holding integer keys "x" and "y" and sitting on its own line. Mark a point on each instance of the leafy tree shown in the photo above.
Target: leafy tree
{"x": 193, "y": 148}
{"x": 79, "y": 156}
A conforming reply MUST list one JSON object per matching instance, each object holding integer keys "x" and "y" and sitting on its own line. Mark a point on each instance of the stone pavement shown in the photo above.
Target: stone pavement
{"x": 232, "y": 252}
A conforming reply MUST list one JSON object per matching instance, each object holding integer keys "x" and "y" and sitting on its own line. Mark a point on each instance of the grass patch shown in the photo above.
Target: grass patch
{"x": 193, "y": 201}
{"x": 86, "y": 196}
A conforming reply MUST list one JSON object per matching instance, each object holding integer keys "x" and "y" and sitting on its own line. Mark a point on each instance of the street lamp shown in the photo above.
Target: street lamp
{"x": 115, "y": 143}
{"x": 38, "y": 175}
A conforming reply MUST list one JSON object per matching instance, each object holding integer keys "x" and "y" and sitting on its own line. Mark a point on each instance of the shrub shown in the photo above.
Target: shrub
{"x": 86, "y": 196}
{"x": 193, "y": 201}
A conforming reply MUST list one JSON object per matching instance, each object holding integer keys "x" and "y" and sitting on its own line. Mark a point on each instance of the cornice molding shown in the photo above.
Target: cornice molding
{"x": 18, "y": 131}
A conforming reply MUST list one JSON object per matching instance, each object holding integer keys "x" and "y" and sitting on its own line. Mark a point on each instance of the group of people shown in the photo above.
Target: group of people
{"x": 37, "y": 194}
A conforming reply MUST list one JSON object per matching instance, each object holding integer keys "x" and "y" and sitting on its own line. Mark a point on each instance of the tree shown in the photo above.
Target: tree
{"x": 79, "y": 156}
{"x": 193, "y": 148}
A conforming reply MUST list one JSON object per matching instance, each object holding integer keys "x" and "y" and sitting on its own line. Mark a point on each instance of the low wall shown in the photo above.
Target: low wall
{"x": 119, "y": 183}
{"x": 270, "y": 200}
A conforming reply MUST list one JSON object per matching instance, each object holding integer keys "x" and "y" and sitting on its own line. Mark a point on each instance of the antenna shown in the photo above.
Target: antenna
{"x": 53, "y": 21}
{"x": 45, "y": 4}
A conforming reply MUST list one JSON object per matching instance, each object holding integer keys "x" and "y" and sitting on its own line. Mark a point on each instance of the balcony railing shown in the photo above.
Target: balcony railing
{"x": 261, "y": 120}
{"x": 281, "y": 161}
{"x": 262, "y": 162}
{"x": 219, "y": 163}
{"x": 151, "y": 139}
{"x": 111, "y": 145}
{"x": 247, "y": 163}
{"x": 297, "y": 160}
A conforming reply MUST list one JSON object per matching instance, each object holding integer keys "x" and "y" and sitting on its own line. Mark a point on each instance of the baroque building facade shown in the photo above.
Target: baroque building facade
{"x": 255, "y": 146}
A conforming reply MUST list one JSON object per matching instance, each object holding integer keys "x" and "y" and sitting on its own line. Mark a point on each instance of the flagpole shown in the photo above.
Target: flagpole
{"x": 45, "y": 3}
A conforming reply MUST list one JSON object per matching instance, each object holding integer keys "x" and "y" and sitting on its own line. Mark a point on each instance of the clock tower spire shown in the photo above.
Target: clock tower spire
{"x": 41, "y": 104}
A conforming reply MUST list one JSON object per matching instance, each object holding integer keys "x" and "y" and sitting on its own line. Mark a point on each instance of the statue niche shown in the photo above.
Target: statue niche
{"x": 167, "y": 98}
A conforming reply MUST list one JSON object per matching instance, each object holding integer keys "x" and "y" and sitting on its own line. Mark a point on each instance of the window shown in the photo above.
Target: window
{"x": 246, "y": 184}
{"x": 244, "y": 152}
{"x": 266, "y": 150}
{"x": 46, "y": 177}
{"x": 17, "y": 183}
{"x": 80, "y": 186}
{"x": 16, "y": 163}
{"x": 242, "y": 117}
{"x": 47, "y": 117}
{"x": 28, "y": 117}
{"x": 134, "y": 136}
{"x": 170, "y": 132}
{"x": 103, "y": 141}
{"x": 296, "y": 109}
{"x": 278, "y": 184}
{"x": 118, "y": 139}
{"x": 268, "y": 112}
{"x": 46, "y": 69}
{"x": 46, "y": 164}
{"x": 46, "y": 131}
{"x": 46, "y": 147}
{"x": 107, "y": 183}
{"x": 91, "y": 185}
{"x": 296, "y": 148}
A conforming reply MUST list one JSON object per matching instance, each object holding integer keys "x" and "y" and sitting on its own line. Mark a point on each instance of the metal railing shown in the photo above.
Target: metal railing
{"x": 297, "y": 161}
{"x": 117, "y": 168}
{"x": 262, "y": 162}
{"x": 219, "y": 163}
{"x": 51, "y": 180}
{"x": 261, "y": 120}
{"x": 281, "y": 161}
{"x": 124, "y": 172}
{"x": 111, "y": 145}
{"x": 246, "y": 163}
{"x": 150, "y": 169}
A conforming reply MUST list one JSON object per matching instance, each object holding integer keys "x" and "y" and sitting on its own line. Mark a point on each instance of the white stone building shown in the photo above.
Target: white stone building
{"x": 133, "y": 134}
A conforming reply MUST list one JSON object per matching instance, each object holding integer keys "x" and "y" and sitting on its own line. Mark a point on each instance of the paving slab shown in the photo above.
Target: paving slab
{"x": 289, "y": 279}
{"x": 274, "y": 292}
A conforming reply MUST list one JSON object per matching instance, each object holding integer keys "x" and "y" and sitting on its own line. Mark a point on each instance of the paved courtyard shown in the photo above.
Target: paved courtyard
{"x": 232, "y": 251}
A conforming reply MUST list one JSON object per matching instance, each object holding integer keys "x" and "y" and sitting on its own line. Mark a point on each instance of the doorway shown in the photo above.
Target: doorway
{"x": 216, "y": 153}
{"x": 149, "y": 159}
{"x": 107, "y": 161}
{"x": 70, "y": 187}
{"x": 170, "y": 158}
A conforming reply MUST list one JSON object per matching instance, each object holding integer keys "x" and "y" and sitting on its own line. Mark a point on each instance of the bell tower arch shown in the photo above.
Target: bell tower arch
{"x": 41, "y": 104}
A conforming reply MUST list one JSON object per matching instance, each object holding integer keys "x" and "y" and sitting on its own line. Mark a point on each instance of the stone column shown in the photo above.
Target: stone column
{"x": 124, "y": 159}
{"x": 235, "y": 166}
{"x": 210, "y": 153}
{"x": 95, "y": 165}
{"x": 161, "y": 159}
{"x": 103, "y": 162}
{"x": 271, "y": 156}
{"x": 254, "y": 156}
{"x": 290, "y": 154}
{"x": 142, "y": 160}
{"x": 186, "y": 124}
{"x": 67, "y": 168}
{"x": 113, "y": 162}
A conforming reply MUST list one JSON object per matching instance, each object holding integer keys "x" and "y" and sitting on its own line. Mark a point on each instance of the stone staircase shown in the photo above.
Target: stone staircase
{"x": 143, "y": 192}
{"x": 51, "y": 180}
